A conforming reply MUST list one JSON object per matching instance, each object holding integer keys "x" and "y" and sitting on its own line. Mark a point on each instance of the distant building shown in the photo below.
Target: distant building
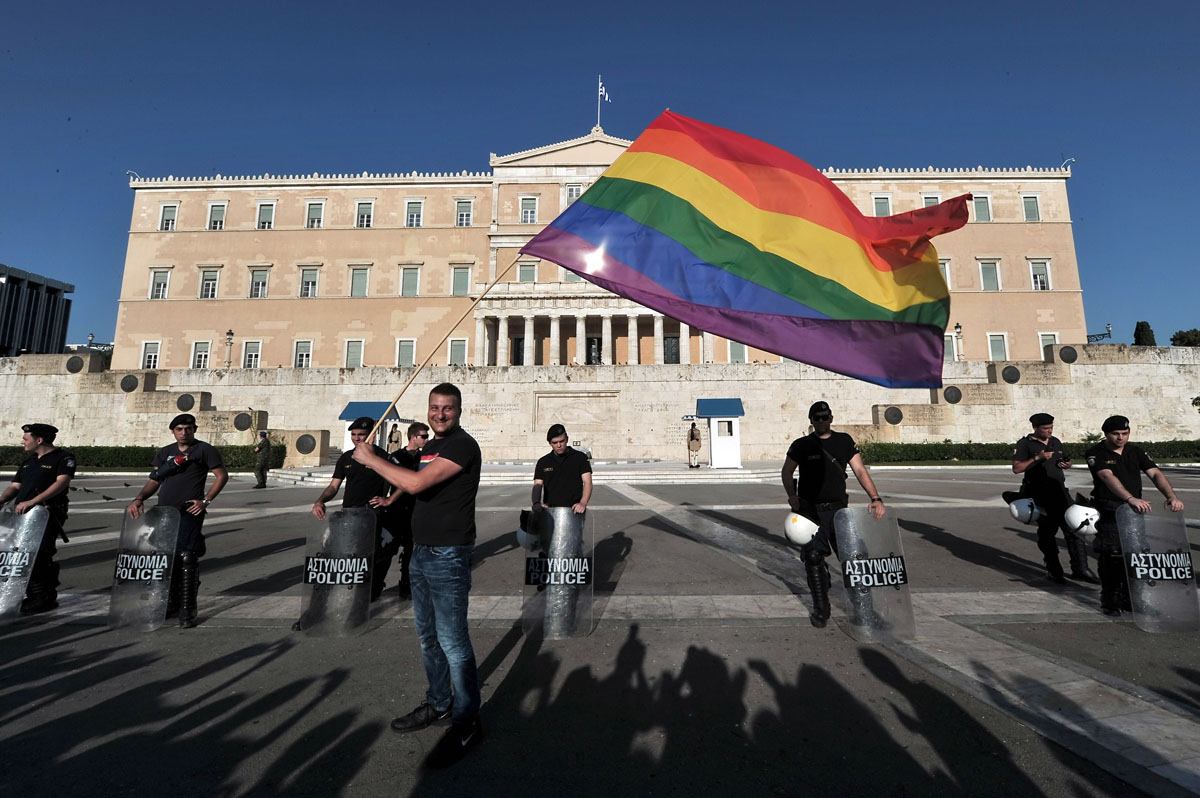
{"x": 34, "y": 312}
{"x": 370, "y": 269}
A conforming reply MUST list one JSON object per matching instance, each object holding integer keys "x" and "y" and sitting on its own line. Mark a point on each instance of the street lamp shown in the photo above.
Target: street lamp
{"x": 958, "y": 341}
{"x": 228, "y": 347}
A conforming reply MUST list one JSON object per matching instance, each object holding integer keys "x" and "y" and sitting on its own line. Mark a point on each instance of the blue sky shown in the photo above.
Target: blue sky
{"x": 88, "y": 90}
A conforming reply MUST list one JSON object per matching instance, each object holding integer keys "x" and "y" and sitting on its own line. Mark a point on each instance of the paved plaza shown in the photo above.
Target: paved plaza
{"x": 702, "y": 672}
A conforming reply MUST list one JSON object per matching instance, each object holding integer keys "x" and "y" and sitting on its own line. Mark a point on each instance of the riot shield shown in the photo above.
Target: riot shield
{"x": 1158, "y": 564}
{"x": 336, "y": 591}
{"x": 20, "y": 539}
{"x": 875, "y": 576}
{"x": 142, "y": 574}
{"x": 558, "y": 577}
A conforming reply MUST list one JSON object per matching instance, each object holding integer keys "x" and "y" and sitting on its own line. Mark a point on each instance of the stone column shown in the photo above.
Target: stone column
{"x": 580, "y": 340}
{"x": 606, "y": 338}
{"x": 480, "y": 342}
{"x": 658, "y": 338}
{"x": 706, "y": 347}
{"x": 685, "y": 344}
{"x": 527, "y": 355}
{"x": 632, "y": 358}
{"x": 502, "y": 341}
{"x": 555, "y": 341}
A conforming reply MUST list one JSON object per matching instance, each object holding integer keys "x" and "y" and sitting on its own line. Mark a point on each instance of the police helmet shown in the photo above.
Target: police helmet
{"x": 1082, "y": 519}
{"x": 528, "y": 542}
{"x": 1025, "y": 511}
{"x": 798, "y": 529}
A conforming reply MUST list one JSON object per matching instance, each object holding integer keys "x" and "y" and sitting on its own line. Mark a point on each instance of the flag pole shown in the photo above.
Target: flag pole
{"x": 435, "y": 349}
{"x": 599, "y": 83}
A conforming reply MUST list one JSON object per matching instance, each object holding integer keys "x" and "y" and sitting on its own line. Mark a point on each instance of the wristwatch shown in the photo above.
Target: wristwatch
{"x": 206, "y": 502}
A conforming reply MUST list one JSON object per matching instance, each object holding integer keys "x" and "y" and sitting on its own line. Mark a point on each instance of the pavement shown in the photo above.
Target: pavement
{"x": 702, "y": 671}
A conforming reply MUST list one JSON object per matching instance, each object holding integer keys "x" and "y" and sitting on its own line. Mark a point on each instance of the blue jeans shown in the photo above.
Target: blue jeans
{"x": 441, "y": 581}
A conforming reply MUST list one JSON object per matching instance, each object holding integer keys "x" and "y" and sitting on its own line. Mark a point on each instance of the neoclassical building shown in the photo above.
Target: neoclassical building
{"x": 381, "y": 269}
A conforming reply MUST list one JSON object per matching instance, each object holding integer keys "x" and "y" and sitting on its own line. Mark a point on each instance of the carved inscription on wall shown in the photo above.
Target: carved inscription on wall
{"x": 581, "y": 410}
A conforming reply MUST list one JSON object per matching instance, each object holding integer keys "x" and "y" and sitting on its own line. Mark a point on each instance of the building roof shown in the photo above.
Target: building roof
{"x": 719, "y": 408}
{"x": 371, "y": 410}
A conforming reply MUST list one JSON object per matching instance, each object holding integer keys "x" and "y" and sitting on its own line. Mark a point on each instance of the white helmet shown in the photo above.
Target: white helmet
{"x": 1082, "y": 519}
{"x": 1025, "y": 511}
{"x": 798, "y": 529}
{"x": 528, "y": 542}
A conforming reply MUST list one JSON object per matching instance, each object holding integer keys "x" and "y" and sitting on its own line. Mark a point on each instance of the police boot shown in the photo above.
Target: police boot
{"x": 1110, "y": 566}
{"x": 173, "y": 589}
{"x": 41, "y": 597}
{"x": 189, "y": 586}
{"x": 1080, "y": 572}
{"x": 818, "y": 585}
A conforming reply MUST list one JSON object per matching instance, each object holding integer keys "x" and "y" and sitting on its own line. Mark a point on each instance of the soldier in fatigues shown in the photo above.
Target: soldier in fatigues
{"x": 43, "y": 479}
{"x": 262, "y": 459}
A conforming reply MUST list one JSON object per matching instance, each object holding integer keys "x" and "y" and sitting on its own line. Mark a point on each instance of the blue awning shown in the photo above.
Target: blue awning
{"x": 369, "y": 409}
{"x": 719, "y": 408}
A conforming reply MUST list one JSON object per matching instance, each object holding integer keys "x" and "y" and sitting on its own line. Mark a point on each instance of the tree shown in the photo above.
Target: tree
{"x": 1143, "y": 335}
{"x": 1186, "y": 338}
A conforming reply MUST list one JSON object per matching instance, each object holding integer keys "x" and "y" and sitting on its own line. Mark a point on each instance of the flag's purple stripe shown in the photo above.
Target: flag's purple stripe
{"x": 891, "y": 354}
{"x": 672, "y": 265}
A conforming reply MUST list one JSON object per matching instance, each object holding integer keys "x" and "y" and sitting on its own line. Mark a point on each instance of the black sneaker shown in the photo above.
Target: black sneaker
{"x": 422, "y": 717}
{"x": 454, "y": 745}
{"x": 37, "y": 604}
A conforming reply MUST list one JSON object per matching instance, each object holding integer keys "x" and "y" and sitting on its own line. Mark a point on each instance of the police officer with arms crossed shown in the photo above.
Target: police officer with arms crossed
{"x": 43, "y": 479}
{"x": 565, "y": 474}
{"x": 179, "y": 475}
{"x": 819, "y": 491}
{"x": 1041, "y": 459}
{"x": 444, "y": 536}
{"x": 1117, "y": 466}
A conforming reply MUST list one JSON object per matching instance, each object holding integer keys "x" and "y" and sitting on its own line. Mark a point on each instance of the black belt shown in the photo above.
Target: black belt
{"x": 819, "y": 506}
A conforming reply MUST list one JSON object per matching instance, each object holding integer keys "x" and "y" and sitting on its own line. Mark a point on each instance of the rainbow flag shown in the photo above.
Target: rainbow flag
{"x": 741, "y": 239}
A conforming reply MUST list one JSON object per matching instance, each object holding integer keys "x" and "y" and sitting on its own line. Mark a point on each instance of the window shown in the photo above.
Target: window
{"x": 458, "y": 352}
{"x": 364, "y": 213}
{"x": 216, "y": 216}
{"x": 460, "y": 280}
{"x": 462, "y": 213}
{"x": 528, "y": 210}
{"x": 1039, "y": 270}
{"x": 594, "y": 352}
{"x": 574, "y": 192}
{"x": 997, "y": 346}
{"x": 1032, "y": 212}
{"x": 308, "y": 282}
{"x": 737, "y": 352}
{"x": 944, "y": 268}
{"x": 150, "y": 355}
{"x": 266, "y": 215}
{"x": 929, "y": 200}
{"x": 406, "y": 353}
{"x": 316, "y": 215}
{"x": 983, "y": 208}
{"x": 412, "y": 213}
{"x": 883, "y": 204}
{"x": 166, "y": 217}
{"x": 358, "y": 282}
{"x": 948, "y": 349}
{"x": 158, "y": 284}
{"x": 410, "y": 281}
{"x": 989, "y": 275}
{"x": 671, "y": 349}
{"x": 208, "y": 284}
{"x": 527, "y": 272}
{"x": 303, "y": 357}
{"x": 200, "y": 355}
{"x": 516, "y": 352}
{"x": 571, "y": 277}
{"x": 258, "y": 283}
{"x": 250, "y": 354}
{"x": 1045, "y": 340}
{"x": 724, "y": 429}
{"x": 354, "y": 354}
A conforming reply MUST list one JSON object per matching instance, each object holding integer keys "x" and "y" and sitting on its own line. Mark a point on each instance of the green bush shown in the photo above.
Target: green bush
{"x": 967, "y": 452}
{"x": 237, "y": 458}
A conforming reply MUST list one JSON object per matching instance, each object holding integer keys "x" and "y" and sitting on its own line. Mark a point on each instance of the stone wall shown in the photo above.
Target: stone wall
{"x": 619, "y": 412}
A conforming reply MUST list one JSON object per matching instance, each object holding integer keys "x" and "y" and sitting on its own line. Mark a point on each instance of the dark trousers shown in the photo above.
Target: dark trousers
{"x": 1055, "y": 504}
{"x": 260, "y": 472}
{"x": 191, "y": 538}
{"x": 824, "y": 542}
{"x": 44, "y": 574}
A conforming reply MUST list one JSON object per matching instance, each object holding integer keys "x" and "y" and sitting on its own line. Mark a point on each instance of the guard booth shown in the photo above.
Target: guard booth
{"x": 371, "y": 410}
{"x": 724, "y": 433}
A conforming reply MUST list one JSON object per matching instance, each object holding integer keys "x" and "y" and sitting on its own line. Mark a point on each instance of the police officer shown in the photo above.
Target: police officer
{"x": 43, "y": 479}
{"x": 565, "y": 475}
{"x": 398, "y": 517}
{"x": 262, "y": 459}
{"x": 819, "y": 491}
{"x": 1041, "y": 459}
{"x": 1117, "y": 466}
{"x": 180, "y": 473}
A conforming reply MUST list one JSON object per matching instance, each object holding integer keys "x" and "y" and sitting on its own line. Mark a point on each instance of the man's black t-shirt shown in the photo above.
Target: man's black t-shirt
{"x": 1127, "y": 467}
{"x": 362, "y": 483}
{"x": 821, "y": 475}
{"x": 563, "y": 477}
{"x": 445, "y": 513}
{"x": 1045, "y": 474}
{"x": 39, "y": 473}
{"x": 187, "y": 483}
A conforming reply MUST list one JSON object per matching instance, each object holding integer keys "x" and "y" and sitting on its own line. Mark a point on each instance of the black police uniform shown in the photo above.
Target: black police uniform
{"x": 34, "y": 476}
{"x": 1045, "y": 483}
{"x": 562, "y": 476}
{"x": 363, "y": 484}
{"x": 1127, "y": 467}
{"x": 397, "y": 519}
